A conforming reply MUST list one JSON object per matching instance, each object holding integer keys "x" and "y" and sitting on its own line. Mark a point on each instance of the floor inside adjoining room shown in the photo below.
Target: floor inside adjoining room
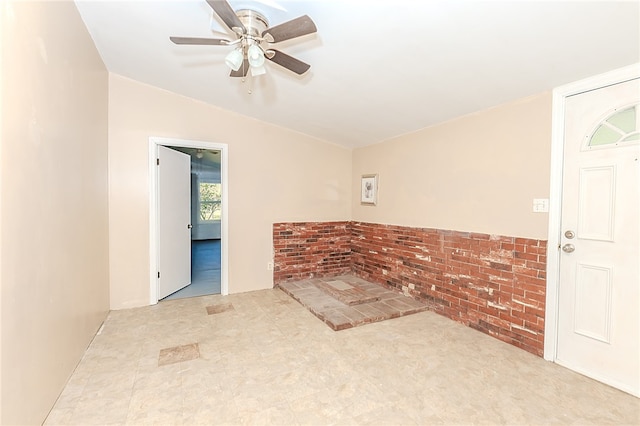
{"x": 262, "y": 358}
{"x": 205, "y": 270}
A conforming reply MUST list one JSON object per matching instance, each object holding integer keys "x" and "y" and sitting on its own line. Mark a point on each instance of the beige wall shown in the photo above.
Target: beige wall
{"x": 4, "y": 25}
{"x": 54, "y": 218}
{"x": 275, "y": 175}
{"x": 477, "y": 173}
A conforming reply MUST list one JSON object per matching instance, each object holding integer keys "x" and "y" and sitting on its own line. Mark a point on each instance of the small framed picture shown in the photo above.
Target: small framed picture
{"x": 369, "y": 190}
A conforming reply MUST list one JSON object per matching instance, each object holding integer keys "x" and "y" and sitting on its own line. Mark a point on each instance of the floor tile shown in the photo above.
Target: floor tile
{"x": 178, "y": 354}
{"x": 218, "y": 309}
{"x": 265, "y": 362}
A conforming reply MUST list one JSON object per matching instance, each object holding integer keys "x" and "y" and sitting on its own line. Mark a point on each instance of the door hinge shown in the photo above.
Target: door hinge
{"x": 157, "y": 161}
{"x": 158, "y": 274}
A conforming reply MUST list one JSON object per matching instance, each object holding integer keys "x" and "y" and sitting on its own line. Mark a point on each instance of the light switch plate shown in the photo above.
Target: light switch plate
{"x": 540, "y": 205}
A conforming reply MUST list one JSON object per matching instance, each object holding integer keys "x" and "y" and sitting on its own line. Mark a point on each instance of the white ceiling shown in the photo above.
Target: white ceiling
{"x": 379, "y": 69}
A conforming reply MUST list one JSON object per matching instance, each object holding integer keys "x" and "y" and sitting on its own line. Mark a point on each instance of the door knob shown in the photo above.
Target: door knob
{"x": 568, "y": 248}
{"x": 189, "y": 226}
{"x": 569, "y": 234}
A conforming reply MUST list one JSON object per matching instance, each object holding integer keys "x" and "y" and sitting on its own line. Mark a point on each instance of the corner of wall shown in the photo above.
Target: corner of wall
{"x": 3, "y": 25}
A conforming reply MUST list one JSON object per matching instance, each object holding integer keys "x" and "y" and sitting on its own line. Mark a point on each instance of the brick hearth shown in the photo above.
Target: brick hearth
{"x": 492, "y": 283}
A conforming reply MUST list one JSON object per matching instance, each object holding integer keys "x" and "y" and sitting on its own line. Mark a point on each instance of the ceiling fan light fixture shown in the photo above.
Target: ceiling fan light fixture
{"x": 256, "y": 71}
{"x": 252, "y": 36}
{"x": 234, "y": 59}
{"x": 255, "y": 55}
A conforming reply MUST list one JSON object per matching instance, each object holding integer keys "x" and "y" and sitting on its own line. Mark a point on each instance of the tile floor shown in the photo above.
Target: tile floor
{"x": 270, "y": 361}
{"x": 348, "y": 301}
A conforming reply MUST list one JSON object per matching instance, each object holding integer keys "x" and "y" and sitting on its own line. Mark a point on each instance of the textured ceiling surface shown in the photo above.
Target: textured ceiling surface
{"x": 379, "y": 69}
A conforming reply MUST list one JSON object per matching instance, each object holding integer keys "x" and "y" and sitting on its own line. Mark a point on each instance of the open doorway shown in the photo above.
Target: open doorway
{"x": 207, "y": 225}
{"x": 206, "y": 214}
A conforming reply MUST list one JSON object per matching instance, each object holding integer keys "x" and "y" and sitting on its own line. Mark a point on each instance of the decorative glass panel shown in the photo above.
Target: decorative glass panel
{"x": 621, "y": 126}
{"x": 624, "y": 120}
{"x": 604, "y": 135}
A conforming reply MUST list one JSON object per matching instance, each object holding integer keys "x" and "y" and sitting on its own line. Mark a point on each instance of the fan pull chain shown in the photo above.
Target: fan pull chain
{"x": 250, "y": 80}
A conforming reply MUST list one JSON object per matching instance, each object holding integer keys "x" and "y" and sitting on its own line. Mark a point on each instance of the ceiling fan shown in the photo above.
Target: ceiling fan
{"x": 253, "y": 36}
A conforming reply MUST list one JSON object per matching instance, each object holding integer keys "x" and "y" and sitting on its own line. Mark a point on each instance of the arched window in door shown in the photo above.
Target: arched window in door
{"x": 621, "y": 127}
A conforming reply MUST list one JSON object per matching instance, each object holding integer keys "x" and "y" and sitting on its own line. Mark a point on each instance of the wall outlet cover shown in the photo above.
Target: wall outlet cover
{"x": 540, "y": 205}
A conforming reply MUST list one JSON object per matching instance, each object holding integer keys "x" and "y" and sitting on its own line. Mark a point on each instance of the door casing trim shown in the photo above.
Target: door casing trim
{"x": 560, "y": 94}
{"x": 154, "y": 142}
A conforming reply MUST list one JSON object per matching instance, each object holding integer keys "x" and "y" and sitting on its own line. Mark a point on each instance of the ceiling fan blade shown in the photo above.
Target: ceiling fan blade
{"x": 242, "y": 71}
{"x": 290, "y": 29}
{"x": 289, "y": 62}
{"x": 227, "y": 14}
{"x": 200, "y": 41}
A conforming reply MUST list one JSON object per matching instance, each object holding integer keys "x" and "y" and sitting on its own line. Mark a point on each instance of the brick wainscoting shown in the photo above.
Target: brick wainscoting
{"x": 494, "y": 284}
{"x": 314, "y": 249}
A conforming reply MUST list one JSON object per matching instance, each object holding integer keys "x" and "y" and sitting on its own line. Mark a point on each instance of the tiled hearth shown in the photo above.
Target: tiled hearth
{"x": 492, "y": 283}
{"x": 346, "y": 301}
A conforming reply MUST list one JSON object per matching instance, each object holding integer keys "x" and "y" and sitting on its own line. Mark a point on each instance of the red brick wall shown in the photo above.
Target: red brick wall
{"x": 494, "y": 284}
{"x": 311, "y": 249}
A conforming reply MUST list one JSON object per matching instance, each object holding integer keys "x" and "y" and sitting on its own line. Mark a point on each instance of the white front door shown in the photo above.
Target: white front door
{"x": 599, "y": 287}
{"x": 174, "y": 217}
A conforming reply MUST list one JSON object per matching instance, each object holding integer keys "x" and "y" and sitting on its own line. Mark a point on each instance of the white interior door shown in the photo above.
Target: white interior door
{"x": 599, "y": 288}
{"x": 174, "y": 218}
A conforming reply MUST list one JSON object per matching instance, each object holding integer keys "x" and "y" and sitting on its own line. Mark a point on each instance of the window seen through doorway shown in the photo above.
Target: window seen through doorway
{"x": 210, "y": 196}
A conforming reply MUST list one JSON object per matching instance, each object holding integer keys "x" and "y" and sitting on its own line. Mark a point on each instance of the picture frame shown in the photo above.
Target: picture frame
{"x": 369, "y": 190}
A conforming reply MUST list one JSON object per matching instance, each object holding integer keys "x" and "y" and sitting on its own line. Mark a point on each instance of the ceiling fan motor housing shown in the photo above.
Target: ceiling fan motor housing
{"x": 255, "y": 23}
